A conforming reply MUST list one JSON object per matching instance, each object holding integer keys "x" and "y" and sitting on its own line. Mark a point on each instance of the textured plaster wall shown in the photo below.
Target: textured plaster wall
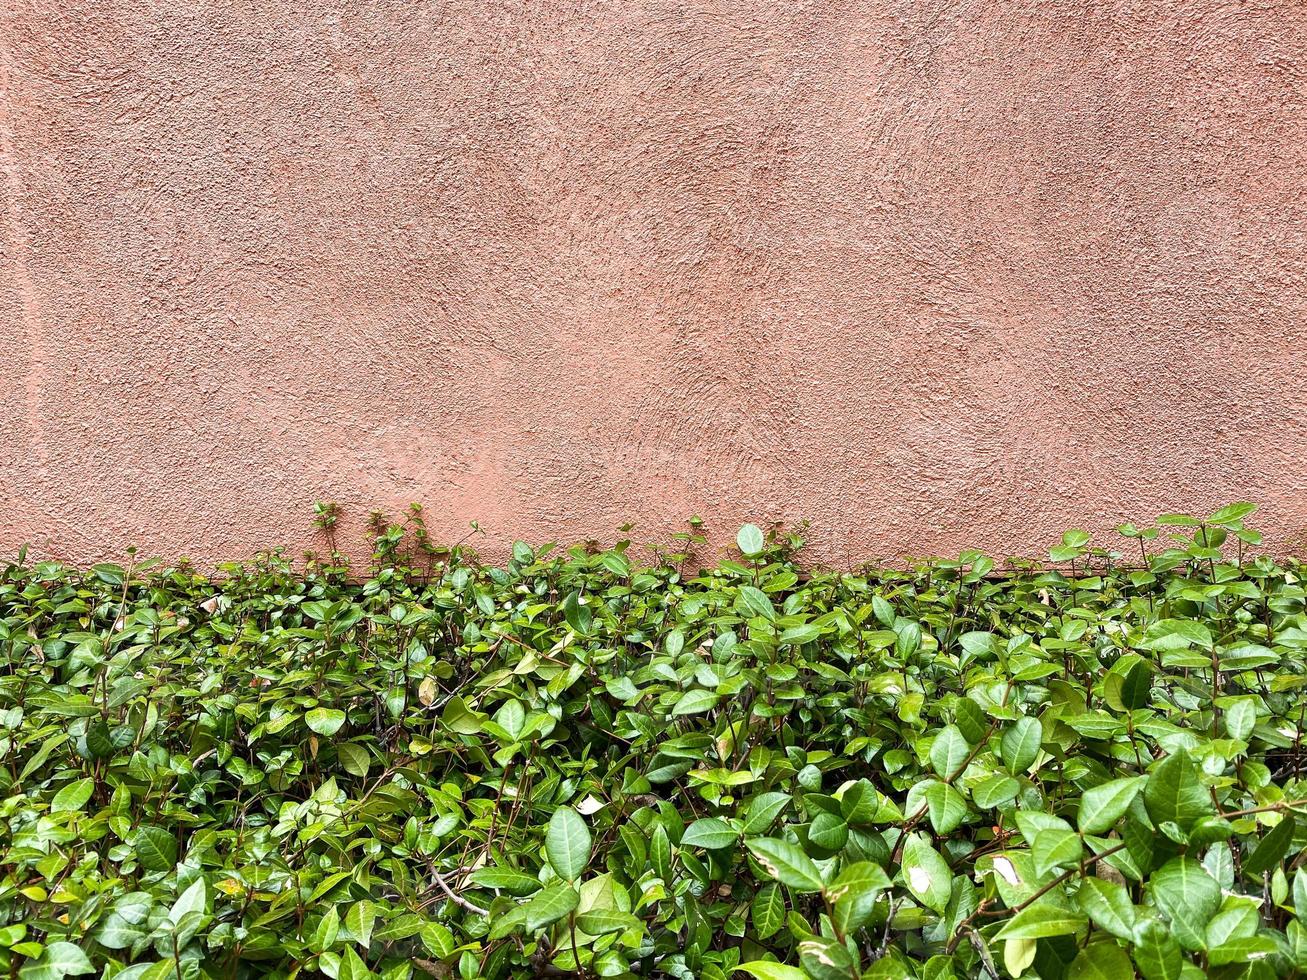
{"x": 931, "y": 274}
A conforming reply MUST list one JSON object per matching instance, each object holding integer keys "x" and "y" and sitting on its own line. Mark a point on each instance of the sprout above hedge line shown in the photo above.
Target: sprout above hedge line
{"x": 574, "y": 766}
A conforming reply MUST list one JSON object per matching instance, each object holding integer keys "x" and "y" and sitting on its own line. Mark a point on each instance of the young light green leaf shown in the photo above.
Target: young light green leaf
{"x": 1040, "y": 921}
{"x": 770, "y": 970}
{"x": 324, "y": 934}
{"x": 324, "y": 721}
{"x": 750, "y": 541}
{"x": 1232, "y": 513}
{"x": 352, "y": 966}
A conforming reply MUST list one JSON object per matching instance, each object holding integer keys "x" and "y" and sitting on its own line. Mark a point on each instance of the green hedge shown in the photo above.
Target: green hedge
{"x": 573, "y": 765}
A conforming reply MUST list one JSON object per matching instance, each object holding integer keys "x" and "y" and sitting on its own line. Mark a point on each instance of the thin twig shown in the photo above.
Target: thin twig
{"x": 456, "y": 899}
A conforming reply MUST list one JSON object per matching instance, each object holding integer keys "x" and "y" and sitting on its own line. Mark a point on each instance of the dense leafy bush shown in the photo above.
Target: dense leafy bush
{"x": 572, "y": 765}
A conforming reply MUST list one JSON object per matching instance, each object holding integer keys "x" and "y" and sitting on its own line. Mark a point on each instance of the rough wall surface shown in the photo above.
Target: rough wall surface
{"x": 930, "y": 274}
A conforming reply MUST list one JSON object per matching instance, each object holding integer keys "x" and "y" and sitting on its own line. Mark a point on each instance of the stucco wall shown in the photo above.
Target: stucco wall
{"x": 931, "y": 274}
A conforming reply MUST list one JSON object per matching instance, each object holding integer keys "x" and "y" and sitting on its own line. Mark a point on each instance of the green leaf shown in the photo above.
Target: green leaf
{"x": 708, "y": 832}
{"x": 926, "y": 874}
{"x": 354, "y": 759}
{"x": 324, "y": 721}
{"x": 550, "y": 905}
{"x": 826, "y": 959}
{"x": 768, "y": 910}
{"x": 1245, "y": 949}
{"x": 946, "y": 808}
{"x": 1188, "y": 896}
{"x": 1175, "y": 793}
{"x": 605, "y": 922}
{"x": 59, "y": 960}
{"x": 156, "y": 849}
{"x": 73, "y": 797}
{"x": 505, "y": 879}
{"x": 1041, "y": 921}
{"x": 1272, "y": 847}
{"x": 786, "y": 863}
{"x": 359, "y": 920}
{"x": 1103, "y": 805}
{"x": 578, "y": 615}
{"x": 695, "y": 702}
{"x": 1128, "y": 686}
{"x": 194, "y": 899}
{"x": 949, "y": 752}
{"x": 324, "y": 935}
{"x": 1108, "y": 905}
{"x": 763, "y": 811}
{"x": 104, "y": 742}
{"x": 1053, "y": 849}
{"x": 1231, "y": 513}
{"x": 438, "y": 940}
{"x": 754, "y": 602}
{"x": 117, "y": 932}
{"x": 567, "y": 843}
{"x": 855, "y": 892}
{"x": 799, "y": 635}
{"x": 1177, "y": 634}
{"x": 1020, "y": 744}
{"x": 994, "y": 791}
{"x": 1101, "y": 961}
{"x": 1156, "y": 953}
{"x": 750, "y": 541}
{"x": 769, "y": 970}
{"x": 1240, "y": 718}
{"x": 908, "y": 638}
{"x": 352, "y": 966}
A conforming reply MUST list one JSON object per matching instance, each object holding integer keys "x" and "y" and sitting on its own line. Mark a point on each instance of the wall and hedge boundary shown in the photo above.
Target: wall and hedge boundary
{"x": 571, "y": 765}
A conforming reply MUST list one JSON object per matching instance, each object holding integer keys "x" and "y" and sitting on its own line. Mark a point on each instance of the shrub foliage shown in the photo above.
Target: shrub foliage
{"x": 572, "y": 765}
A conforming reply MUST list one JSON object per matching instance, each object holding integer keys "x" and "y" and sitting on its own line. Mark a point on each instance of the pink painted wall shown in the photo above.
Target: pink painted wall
{"x": 931, "y": 274}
